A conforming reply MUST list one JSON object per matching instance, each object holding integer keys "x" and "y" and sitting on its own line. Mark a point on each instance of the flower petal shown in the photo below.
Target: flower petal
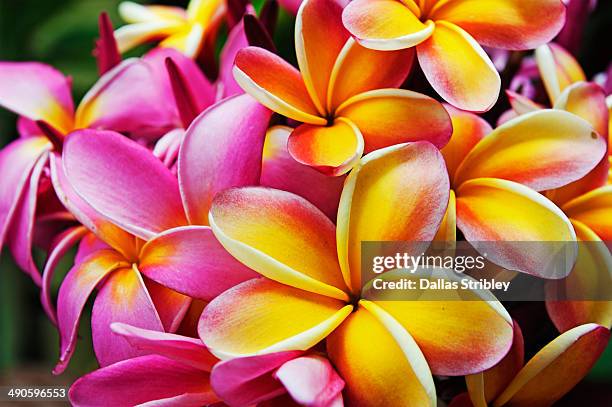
{"x": 141, "y": 380}
{"x": 123, "y": 181}
{"x": 60, "y": 246}
{"x": 189, "y": 351}
{"x": 122, "y": 298}
{"x": 21, "y": 229}
{"x": 480, "y": 326}
{"x": 274, "y": 317}
{"x": 222, "y": 149}
{"x": 558, "y": 69}
{"x": 359, "y": 69}
{"x": 392, "y": 116}
{"x": 319, "y": 22}
{"x": 593, "y": 209}
{"x": 587, "y": 100}
{"x": 385, "y": 24}
{"x": 468, "y": 130}
{"x": 106, "y": 233}
{"x": 382, "y": 197}
{"x": 490, "y": 209}
{"x": 248, "y": 380}
{"x": 459, "y": 69}
{"x": 191, "y": 261}
{"x": 132, "y": 35}
{"x": 557, "y": 368}
{"x": 38, "y": 92}
{"x": 543, "y": 150}
{"x": 484, "y": 387}
{"x": 275, "y": 84}
{"x": 394, "y": 372}
{"x": 590, "y": 278}
{"x": 171, "y": 306}
{"x": 281, "y": 236}
{"x": 279, "y": 170}
{"x": 521, "y": 104}
{"x": 506, "y": 24}
{"x": 17, "y": 161}
{"x": 332, "y": 150}
{"x": 128, "y": 99}
{"x": 236, "y": 40}
{"x": 78, "y": 285}
{"x": 311, "y": 380}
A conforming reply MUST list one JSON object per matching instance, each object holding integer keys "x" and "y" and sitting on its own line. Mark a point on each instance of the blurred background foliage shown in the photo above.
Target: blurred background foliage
{"x": 62, "y": 33}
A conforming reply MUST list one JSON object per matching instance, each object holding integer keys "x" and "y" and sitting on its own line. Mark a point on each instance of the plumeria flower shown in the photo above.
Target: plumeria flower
{"x": 308, "y": 378}
{"x": 173, "y": 370}
{"x": 495, "y": 176}
{"x": 184, "y": 30}
{"x": 448, "y": 36}
{"x": 342, "y": 93}
{"x": 124, "y": 99}
{"x": 152, "y": 225}
{"x": 311, "y": 289}
{"x": 544, "y": 379}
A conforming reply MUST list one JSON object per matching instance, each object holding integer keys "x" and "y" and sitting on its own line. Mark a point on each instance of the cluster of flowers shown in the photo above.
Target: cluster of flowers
{"x": 224, "y": 251}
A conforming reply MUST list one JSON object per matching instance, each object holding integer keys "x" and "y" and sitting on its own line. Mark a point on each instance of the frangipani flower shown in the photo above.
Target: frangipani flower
{"x": 341, "y": 93}
{"x": 148, "y": 219}
{"x": 544, "y": 379}
{"x": 123, "y": 99}
{"x": 308, "y": 378}
{"x": 313, "y": 284}
{"x": 495, "y": 175}
{"x": 174, "y": 370}
{"x": 447, "y": 35}
{"x": 184, "y": 30}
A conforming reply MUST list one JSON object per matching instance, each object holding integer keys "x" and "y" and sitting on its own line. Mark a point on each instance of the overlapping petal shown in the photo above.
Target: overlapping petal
{"x": 319, "y": 22}
{"x": 275, "y": 317}
{"x": 397, "y": 193}
{"x": 281, "y": 236}
{"x": 387, "y": 117}
{"x": 490, "y": 209}
{"x": 144, "y": 379}
{"x": 78, "y": 285}
{"x": 506, "y": 24}
{"x": 394, "y": 372}
{"x": 458, "y": 68}
{"x": 134, "y": 190}
{"x": 333, "y": 150}
{"x": 279, "y": 170}
{"x": 593, "y": 209}
{"x": 222, "y": 149}
{"x": 275, "y": 84}
{"x": 543, "y": 150}
{"x": 190, "y": 260}
{"x": 122, "y": 298}
{"x": 558, "y": 69}
{"x": 386, "y": 24}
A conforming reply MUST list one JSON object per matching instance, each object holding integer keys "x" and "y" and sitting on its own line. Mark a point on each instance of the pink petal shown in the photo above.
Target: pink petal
{"x": 78, "y": 285}
{"x": 189, "y": 351}
{"x": 248, "y": 380}
{"x": 140, "y": 380}
{"x": 191, "y": 261}
{"x": 222, "y": 149}
{"x": 122, "y": 298}
{"x": 123, "y": 181}
{"x": 38, "y": 92}
{"x": 89, "y": 244}
{"x": 21, "y": 229}
{"x": 17, "y": 160}
{"x": 127, "y": 99}
{"x": 279, "y": 170}
{"x": 311, "y": 380}
{"x": 60, "y": 246}
{"x": 171, "y": 306}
